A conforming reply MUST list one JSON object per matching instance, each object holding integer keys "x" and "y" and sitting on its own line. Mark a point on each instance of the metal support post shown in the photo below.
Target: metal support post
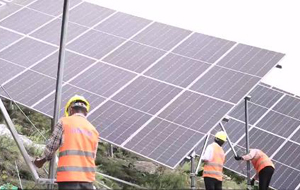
{"x": 202, "y": 152}
{"x": 247, "y": 99}
{"x": 60, "y": 71}
{"x": 19, "y": 142}
{"x": 229, "y": 141}
{"x": 193, "y": 175}
{"x": 111, "y": 150}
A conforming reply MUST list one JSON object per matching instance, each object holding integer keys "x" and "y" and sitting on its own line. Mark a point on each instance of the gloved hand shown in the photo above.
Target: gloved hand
{"x": 38, "y": 162}
{"x": 252, "y": 182}
{"x": 237, "y": 157}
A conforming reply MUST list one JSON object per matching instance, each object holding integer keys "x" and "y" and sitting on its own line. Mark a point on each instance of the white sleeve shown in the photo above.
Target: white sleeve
{"x": 208, "y": 154}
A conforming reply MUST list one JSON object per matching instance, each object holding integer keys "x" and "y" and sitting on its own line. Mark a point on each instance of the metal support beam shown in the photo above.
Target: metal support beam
{"x": 228, "y": 139}
{"x": 60, "y": 74}
{"x": 111, "y": 150}
{"x": 202, "y": 152}
{"x": 19, "y": 142}
{"x": 120, "y": 180}
{"x": 193, "y": 174}
{"x": 247, "y": 99}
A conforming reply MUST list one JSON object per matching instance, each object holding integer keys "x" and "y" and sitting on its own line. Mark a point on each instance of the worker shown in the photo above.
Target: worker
{"x": 263, "y": 165}
{"x": 214, "y": 159}
{"x": 77, "y": 140}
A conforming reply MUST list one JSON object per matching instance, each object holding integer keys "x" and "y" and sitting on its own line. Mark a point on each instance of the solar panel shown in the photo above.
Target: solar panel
{"x": 25, "y": 21}
{"x": 177, "y": 70}
{"x": 203, "y": 47}
{"x": 274, "y": 128}
{"x": 93, "y": 14}
{"x": 134, "y": 56}
{"x": 7, "y": 70}
{"x": 122, "y": 25}
{"x": 74, "y": 64}
{"x": 46, "y": 105}
{"x": 7, "y": 37}
{"x": 51, "y": 7}
{"x": 48, "y": 33}
{"x": 225, "y": 84}
{"x": 150, "y": 97}
{"x": 29, "y": 87}
{"x": 147, "y": 80}
{"x": 95, "y": 44}
{"x": 27, "y": 52}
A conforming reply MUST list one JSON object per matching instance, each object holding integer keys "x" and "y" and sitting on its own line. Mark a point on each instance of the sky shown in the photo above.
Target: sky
{"x": 269, "y": 24}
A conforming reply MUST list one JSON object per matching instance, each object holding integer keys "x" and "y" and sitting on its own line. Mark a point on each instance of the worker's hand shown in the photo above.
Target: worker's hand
{"x": 237, "y": 157}
{"x": 252, "y": 182}
{"x": 38, "y": 162}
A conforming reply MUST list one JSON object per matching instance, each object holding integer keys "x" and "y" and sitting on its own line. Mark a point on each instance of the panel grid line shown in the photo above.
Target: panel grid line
{"x": 27, "y": 35}
{"x": 175, "y": 98}
{"x": 23, "y": 7}
{"x": 100, "y": 60}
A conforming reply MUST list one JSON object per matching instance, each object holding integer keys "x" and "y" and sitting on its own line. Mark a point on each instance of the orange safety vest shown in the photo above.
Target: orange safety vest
{"x": 77, "y": 153}
{"x": 261, "y": 160}
{"x": 214, "y": 168}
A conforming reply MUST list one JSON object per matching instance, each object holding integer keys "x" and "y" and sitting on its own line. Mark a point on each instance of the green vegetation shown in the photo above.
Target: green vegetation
{"x": 121, "y": 166}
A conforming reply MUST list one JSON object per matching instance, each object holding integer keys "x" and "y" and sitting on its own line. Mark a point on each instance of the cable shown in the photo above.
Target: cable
{"x": 23, "y": 113}
{"x": 32, "y": 124}
{"x": 18, "y": 175}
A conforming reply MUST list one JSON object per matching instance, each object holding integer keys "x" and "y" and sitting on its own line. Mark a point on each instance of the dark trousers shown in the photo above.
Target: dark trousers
{"x": 75, "y": 186}
{"x": 265, "y": 176}
{"x": 212, "y": 184}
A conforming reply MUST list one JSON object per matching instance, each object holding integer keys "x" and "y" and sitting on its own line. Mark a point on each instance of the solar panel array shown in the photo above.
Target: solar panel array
{"x": 155, "y": 89}
{"x": 274, "y": 117}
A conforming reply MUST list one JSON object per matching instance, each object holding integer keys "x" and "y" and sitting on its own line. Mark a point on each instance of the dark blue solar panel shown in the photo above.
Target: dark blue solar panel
{"x": 204, "y": 48}
{"x": 46, "y": 106}
{"x": 225, "y": 84}
{"x": 195, "y": 111}
{"x": 251, "y": 60}
{"x": 116, "y": 122}
{"x": 177, "y": 70}
{"x": 164, "y": 141}
{"x": 147, "y": 95}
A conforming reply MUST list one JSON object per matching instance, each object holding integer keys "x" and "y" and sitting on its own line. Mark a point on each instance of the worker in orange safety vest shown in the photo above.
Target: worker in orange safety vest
{"x": 77, "y": 141}
{"x": 263, "y": 165}
{"x": 214, "y": 159}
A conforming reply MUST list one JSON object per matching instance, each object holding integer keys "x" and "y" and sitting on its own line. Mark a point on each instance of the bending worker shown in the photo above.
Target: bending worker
{"x": 263, "y": 165}
{"x": 77, "y": 140}
{"x": 214, "y": 159}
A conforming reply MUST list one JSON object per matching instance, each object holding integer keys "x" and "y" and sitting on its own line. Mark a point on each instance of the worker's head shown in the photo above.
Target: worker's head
{"x": 77, "y": 104}
{"x": 220, "y": 138}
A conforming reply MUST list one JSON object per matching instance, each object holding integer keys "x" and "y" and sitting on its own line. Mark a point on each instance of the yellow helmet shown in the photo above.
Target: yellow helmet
{"x": 221, "y": 135}
{"x": 76, "y": 98}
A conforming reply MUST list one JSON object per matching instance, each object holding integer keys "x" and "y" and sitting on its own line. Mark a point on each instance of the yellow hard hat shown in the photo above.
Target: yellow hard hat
{"x": 76, "y": 98}
{"x": 221, "y": 135}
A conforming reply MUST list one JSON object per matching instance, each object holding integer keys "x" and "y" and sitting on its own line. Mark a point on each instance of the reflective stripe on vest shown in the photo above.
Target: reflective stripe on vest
{"x": 213, "y": 172}
{"x": 75, "y": 169}
{"x": 261, "y": 161}
{"x": 214, "y": 168}
{"x": 214, "y": 164}
{"x": 77, "y": 152}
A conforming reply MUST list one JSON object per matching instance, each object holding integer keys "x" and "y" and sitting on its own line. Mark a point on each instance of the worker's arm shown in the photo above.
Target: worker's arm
{"x": 52, "y": 145}
{"x": 208, "y": 154}
{"x": 250, "y": 156}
